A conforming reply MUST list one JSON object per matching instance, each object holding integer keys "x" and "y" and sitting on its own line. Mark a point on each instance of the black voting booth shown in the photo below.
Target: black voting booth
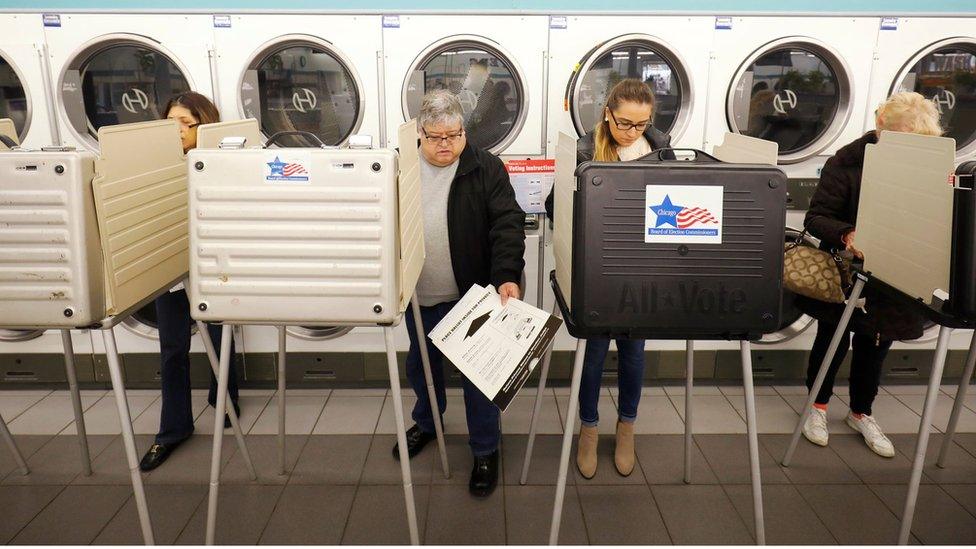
{"x": 627, "y": 282}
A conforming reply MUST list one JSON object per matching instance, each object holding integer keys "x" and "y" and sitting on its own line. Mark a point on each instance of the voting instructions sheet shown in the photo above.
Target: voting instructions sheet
{"x": 495, "y": 347}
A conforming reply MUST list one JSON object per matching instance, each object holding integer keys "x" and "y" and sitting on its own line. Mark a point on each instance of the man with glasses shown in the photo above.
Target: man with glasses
{"x": 474, "y": 233}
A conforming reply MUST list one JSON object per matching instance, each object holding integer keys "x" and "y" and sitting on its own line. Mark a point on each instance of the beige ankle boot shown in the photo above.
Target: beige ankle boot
{"x": 623, "y": 456}
{"x": 586, "y": 452}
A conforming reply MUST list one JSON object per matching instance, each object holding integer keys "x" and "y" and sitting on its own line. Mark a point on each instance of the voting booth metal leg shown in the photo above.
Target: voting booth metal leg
{"x": 537, "y": 408}
{"x": 845, "y": 319}
{"x": 921, "y": 444}
{"x": 231, "y": 413}
{"x": 752, "y": 427}
{"x": 282, "y": 358}
{"x": 128, "y": 438}
{"x": 226, "y": 337}
{"x": 429, "y": 378}
{"x": 402, "y": 434}
{"x": 967, "y": 376}
{"x": 69, "y": 371}
{"x": 9, "y": 439}
{"x": 571, "y": 411}
{"x": 689, "y": 386}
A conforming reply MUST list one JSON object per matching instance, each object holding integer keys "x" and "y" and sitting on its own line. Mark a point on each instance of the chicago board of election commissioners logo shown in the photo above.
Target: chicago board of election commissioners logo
{"x": 683, "y": 214}
{"x": 286, "y": 171}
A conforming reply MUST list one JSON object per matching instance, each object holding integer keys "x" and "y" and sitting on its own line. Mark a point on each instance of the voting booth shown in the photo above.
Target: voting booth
{"x": 95, "y": 238}
{"x": 915, "y": 228}
{"x": 307, "y": 236}
{"x": 664, "y": 248}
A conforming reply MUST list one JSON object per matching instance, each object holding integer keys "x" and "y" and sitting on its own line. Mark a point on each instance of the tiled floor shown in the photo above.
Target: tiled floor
{"x": 343, "y": 486}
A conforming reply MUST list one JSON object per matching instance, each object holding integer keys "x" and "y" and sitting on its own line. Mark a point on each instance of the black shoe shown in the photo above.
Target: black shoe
{"x": 416, "y": 440}
{"x": 237, "y": 411}
{"x": 157, "y": 454}
{"x": 484, "y": 475}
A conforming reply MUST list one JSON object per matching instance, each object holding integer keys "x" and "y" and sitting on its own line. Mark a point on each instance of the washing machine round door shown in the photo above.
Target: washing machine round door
{"x": 145, "y": 322}
{"x": 945, "y": 72}
{"x": 485, "y": 78}
{"x": 302, "y": 83}
{"x": 793, "y": 321}
{"x": 118, "y": 79}
{"x": 13, "y": 336}
{"x": 631, "y": 56}
{"x": 318, "y": 333}
{"x": 795, "y": 92}
{"x": 14, "y": 101}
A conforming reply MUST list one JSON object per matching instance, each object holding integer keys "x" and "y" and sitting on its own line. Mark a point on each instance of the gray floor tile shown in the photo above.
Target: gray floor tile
{"x": 662, "y": 461}
{"x": 811, "y": 464}
{"x": 309, "y": 515}
{"x": 58, "y": 461}
{"x": 684, "y": 507}
{"x": 243, "y": 512}
{"x": 110, "y": 466}
{"x": 27, "y": 444}
{"x": 332, "y": 460}
{"x": 870, "y": 467}
{"x": 379, "y": 516}
{"x": 20, "y": 505}
{"x": 528, "y": 516}
{"x": 728, "y": 457}
{"x": 75, "y": 517}
{"x": 853, "y": 514}
{"x": 264, "y": 456}
{"x": 965, "y": 494}
{"x": 622, "y": 515}
{"x": 960, "y": 464}
{"x": 453, "y": 511}
{"x": 382, "y": 468}
{"x": 789, "y": 520}
{"x": 939, "y": 519}
{"x": 170, "y": 508}
{"x": 545, "y": 460}
{"x": 190, "y": 462}
{"x": 606, "y": 471}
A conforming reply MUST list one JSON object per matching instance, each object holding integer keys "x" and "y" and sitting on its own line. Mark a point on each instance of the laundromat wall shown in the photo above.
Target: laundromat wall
{"x": 807, "y": 74}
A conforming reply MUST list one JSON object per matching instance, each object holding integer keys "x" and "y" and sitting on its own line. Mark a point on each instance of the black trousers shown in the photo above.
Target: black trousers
{"x": 869, "y": 355}
{"x": 176, "y": 419}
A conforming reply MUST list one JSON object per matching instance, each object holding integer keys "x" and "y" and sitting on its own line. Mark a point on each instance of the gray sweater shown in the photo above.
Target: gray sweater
{"x": 437, "y": 283}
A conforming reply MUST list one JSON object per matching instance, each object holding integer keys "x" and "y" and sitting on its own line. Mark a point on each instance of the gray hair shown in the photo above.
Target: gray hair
{"x": 439, "y": 107}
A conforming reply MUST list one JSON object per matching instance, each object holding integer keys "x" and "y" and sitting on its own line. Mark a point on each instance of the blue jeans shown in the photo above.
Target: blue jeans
{"x": 630, "y": 379}
{"x": 484, "y": 427}
{"x": 173, "y": 316}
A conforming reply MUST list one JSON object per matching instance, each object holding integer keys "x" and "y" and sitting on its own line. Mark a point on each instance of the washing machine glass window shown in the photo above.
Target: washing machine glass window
{"x": 793, "y": 321}
{"x": 12, "y": 336}
{"x": 302, "y": 86}
{"x": 946, "y": 74}
{"x": 611, "y": 62}
{"x": 318, "y": 333}
{"x": 119, "y": 83}
{"x": 794, "y": 94}
{"x": 485, "y": 80}
{"x": 14, "y": 103}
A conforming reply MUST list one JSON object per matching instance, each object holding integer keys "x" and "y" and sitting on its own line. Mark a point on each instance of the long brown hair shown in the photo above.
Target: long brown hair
{"x": 199, "y": 105}
{"x": 629, "y": 89}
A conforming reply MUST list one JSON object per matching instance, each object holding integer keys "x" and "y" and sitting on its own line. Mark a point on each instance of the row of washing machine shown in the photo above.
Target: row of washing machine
{"x": 808, "y": 83}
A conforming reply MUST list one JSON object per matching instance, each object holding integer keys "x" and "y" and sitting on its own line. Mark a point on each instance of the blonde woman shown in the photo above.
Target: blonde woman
{"x": 831, "y": 217}
{"x": 624, "y": 133}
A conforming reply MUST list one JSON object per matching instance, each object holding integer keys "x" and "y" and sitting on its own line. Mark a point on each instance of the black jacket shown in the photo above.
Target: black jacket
{"x": 585, "y": 147}
{"x": 485, "y": 225}
{"x": 832, "y": 214}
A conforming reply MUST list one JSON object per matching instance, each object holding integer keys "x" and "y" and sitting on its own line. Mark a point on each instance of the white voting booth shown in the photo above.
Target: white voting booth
{"x": 98, "y": 238}
{"x": 904, "y": 229}
{"x": 307, "y": 236}
{"x": 736, "y": 149}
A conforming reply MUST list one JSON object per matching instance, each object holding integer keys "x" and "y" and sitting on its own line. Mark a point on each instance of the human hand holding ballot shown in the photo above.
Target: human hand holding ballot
{"x": 495, "y": 346}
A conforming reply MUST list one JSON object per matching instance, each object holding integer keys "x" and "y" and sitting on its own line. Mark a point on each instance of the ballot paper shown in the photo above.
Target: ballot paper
{"x": 495, "y": 347}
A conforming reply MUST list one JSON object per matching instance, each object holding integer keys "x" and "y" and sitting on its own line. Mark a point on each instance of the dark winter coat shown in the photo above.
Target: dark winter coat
{"x": 832, "y": 214}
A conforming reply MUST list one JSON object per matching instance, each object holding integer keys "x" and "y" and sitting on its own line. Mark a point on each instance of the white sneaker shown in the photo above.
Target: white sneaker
{"x": 873, "y": 437}
{"x": 815, "y": 427}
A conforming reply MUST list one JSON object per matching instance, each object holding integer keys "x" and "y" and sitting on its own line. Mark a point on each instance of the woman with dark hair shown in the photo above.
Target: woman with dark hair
{"x": 189, "y": 110}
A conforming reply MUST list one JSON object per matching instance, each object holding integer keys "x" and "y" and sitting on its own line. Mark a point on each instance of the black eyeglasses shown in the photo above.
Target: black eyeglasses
{"x": 450, "y": 138}
{"x": 626, "y": 126}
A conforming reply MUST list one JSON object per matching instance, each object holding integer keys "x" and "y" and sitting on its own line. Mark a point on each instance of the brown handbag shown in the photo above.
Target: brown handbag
{"x": 815, "y": 273}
